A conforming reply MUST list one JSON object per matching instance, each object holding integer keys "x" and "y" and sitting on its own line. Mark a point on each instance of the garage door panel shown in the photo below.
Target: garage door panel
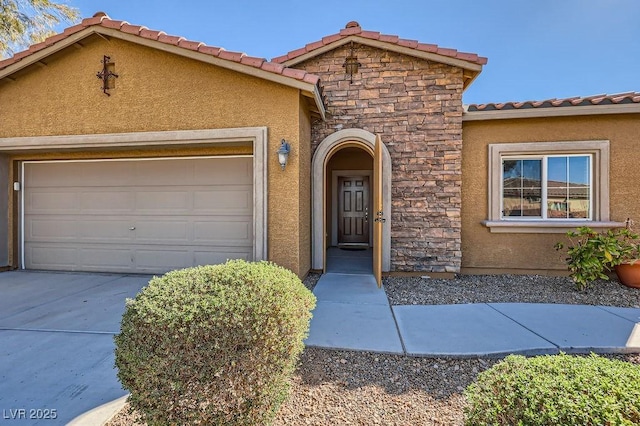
{"x": 163, "y": 260}
{"x": 161, "y": 173}
{"x": 106, "y": 201}
{"x": 164, "y": 202}
{"x": 75, "y": 174}
{"x": 39, "y": 202}
{"x": 149, "y": 232}
{"x": 43, "y": 257}
{"x": 234, "y": 200}
{"x": 164, "y": 214}
{"x": 224, "y": 232}
{"x": 101, "y": 257}
{"x": 224, "y": 171}
{"x": 50, "y": 229}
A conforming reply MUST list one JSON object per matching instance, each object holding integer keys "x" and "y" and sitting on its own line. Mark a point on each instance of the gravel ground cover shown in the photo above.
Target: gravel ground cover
{"x": 360, "y": 388}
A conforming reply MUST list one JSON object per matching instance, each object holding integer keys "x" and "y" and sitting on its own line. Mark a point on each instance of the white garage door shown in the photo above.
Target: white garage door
{"x": 147, "y": 216}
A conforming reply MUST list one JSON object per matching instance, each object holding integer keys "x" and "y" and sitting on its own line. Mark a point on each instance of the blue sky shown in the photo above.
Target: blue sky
{"x": 537, "y": 49}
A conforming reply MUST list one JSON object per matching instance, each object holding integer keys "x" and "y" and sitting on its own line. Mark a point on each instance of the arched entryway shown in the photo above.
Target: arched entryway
{"x": 345, "y": 155}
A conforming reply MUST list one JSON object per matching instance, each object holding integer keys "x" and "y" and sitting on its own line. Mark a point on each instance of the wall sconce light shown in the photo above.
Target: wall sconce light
{"x": 283, "y": 153}
{"x": 351, "y": 64}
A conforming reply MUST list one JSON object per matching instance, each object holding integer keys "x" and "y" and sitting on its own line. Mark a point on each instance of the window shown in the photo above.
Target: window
{"x": 548, "y": 186}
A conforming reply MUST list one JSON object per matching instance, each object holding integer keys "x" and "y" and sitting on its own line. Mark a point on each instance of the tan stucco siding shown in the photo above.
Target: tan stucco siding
{"x": 159, "y": 91}
{"x": 304, "y": 173}
{"x": 534, "y": 252}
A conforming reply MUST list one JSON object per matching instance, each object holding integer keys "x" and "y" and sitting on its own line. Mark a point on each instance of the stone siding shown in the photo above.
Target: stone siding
{"x": 416, "y": 107}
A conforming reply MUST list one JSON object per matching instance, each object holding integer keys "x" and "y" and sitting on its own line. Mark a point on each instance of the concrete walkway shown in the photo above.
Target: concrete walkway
{"x": 353, "y": 313}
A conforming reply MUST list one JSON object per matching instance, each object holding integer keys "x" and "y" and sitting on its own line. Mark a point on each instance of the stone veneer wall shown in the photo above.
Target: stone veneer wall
{"x": 416, "y": 107}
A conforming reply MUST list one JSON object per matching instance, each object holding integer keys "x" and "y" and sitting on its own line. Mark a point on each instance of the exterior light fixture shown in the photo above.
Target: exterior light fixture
{"x": 283, "y": 153}
{"x": 351, "y": 64}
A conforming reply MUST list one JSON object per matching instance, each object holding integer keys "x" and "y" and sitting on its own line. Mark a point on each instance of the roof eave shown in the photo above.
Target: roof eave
{"x": 385, "y": 46}
{"x": 566, "y": 111}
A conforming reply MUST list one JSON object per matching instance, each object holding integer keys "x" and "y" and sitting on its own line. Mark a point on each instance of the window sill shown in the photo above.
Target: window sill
{"x": 544, "y": 226}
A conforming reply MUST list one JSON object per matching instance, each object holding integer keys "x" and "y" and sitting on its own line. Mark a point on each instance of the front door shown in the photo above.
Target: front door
{"x": 353, "y": 210}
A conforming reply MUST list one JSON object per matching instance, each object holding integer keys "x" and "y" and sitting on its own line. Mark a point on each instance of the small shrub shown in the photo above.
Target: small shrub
{"x": 213, "y": 345}
{"x": 555, "y": 390}
{"x": 591, "y": 254}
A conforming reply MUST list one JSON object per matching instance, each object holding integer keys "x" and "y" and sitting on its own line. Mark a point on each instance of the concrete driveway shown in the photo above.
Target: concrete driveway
{"x": 56, "y": 344}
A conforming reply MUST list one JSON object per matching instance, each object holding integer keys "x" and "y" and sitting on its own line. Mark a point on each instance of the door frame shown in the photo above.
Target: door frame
{"x": 343, "y": 138}
{"x": 334, "y": 201}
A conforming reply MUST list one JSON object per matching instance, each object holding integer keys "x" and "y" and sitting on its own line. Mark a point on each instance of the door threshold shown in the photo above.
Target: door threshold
{"x": 353, "y": 246}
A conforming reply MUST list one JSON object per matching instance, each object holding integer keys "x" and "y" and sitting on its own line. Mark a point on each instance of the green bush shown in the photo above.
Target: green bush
{"x": 555, "y": 390}
{"x": 213, "y": 345}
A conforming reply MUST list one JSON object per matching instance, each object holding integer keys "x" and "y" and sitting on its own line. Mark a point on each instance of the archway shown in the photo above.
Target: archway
{"x": 364, "y": 140}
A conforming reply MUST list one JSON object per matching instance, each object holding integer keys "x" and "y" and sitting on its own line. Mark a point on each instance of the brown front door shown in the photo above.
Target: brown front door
{"x": 353, "y": 210}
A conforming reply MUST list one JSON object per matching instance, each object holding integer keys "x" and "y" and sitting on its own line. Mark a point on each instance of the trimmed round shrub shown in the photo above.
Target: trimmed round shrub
{"x": 214, "y": 345}
{"x": 555, "y": 390}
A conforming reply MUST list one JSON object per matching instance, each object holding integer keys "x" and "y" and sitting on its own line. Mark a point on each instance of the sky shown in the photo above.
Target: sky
{"x": 537, "y": 49}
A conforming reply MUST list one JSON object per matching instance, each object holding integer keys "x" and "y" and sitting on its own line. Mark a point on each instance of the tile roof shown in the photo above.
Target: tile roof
{"x": 604, "y": 99}
{"x": 101, "y": 19}
{"x": 354, "y": 29}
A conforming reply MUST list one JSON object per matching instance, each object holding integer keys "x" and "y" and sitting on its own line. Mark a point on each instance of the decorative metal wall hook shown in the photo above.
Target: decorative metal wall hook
{"x": 106, "y": 74}
{"x": 351, "y": 63}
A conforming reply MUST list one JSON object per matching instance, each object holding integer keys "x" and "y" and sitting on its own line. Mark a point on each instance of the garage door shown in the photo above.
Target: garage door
{"x": 146, "y": 216}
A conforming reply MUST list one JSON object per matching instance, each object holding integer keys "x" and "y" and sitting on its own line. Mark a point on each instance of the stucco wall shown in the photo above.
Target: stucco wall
{"x": 4, "y": 210}
{"x": 159, "y": 91}
{"x": 304, "y": 188}
{"x": 416, "y": 107}
{"x": 487, "y": 252}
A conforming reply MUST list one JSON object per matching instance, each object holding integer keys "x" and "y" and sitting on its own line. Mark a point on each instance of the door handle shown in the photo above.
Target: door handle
{"x": 366, "y": 214}
{"x": 132, "y": 228}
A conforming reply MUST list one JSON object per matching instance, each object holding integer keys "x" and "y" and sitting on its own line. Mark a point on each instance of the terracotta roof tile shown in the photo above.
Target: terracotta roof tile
{"x": 313, "y": 46}
{"x": 95, "y": 20}
{"x": 231, "y": 56}
{"x": 426, "y": 47}
{"x": 191, "y": 45}
{"x": 74, "y": 29}
{"x": 169, "y": 39}
{"x": 272, "y": 67}
{"x": 389, "y": 38}
{"x": 254, "y": 62}
{"x": 279, "y": 59}
{"x": 350, "y": 31}
{"x": 412, "y": 44}
{"x": 602, "y": 99}
{"x": 150, "y": 34}
{"x": 295, "y": 73}
{"x": 210, "y": 50}
{"x": 354, "y": 29}
{"x": 132, "y": 29}
{"x": 56, "y": 38}
{"x": 110, "y": 23}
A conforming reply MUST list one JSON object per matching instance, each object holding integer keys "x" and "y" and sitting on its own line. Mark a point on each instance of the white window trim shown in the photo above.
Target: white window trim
{"x": 544, "y": 162}
{"x": 600, "y": 186}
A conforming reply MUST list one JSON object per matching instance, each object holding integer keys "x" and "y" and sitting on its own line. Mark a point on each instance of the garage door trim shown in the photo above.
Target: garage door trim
{"x": 257, "y": 136}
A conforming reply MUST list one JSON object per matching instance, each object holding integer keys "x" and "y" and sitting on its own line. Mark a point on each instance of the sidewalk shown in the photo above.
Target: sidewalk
{"x": 353, "y": 313}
